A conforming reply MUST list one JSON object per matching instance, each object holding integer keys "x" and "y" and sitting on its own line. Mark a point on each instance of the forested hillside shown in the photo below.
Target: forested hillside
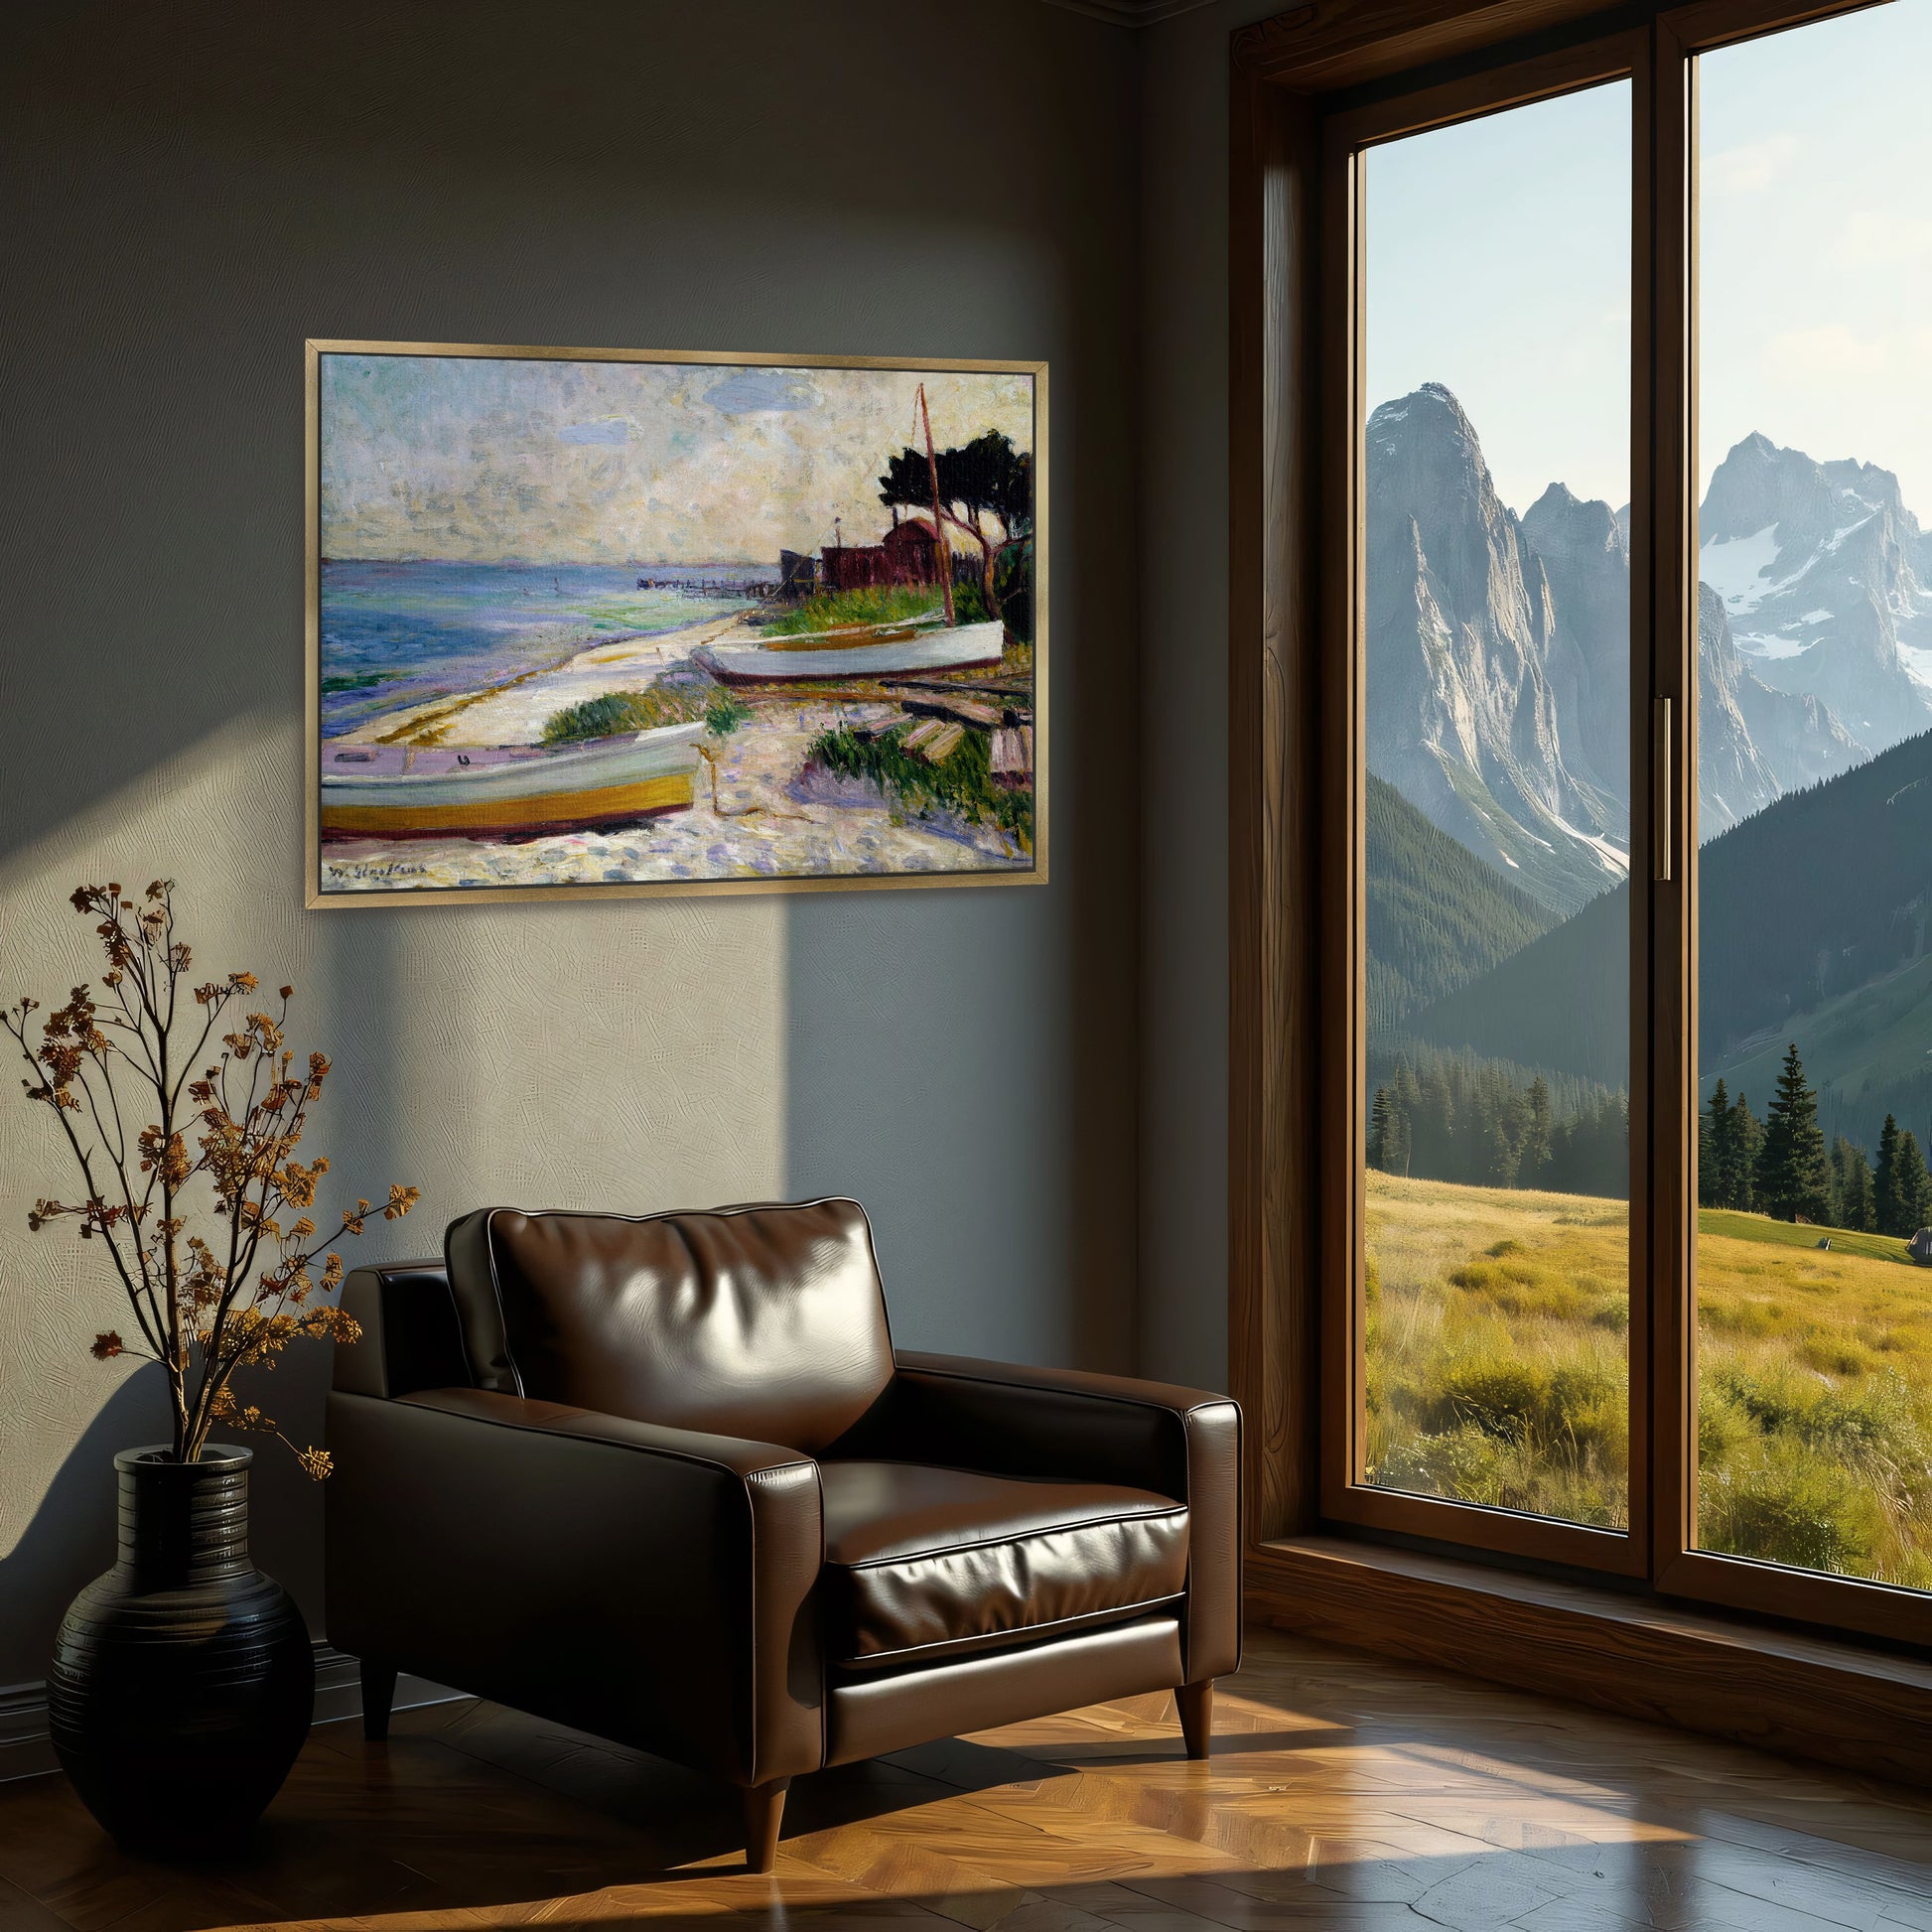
{"x": 1813, "y": 905}
{"x": 1437, "y": 916}
{"x": 1563, "y": 1003}
{"x": 1823, "y": 893}
{"x": 1446, "y": 1116}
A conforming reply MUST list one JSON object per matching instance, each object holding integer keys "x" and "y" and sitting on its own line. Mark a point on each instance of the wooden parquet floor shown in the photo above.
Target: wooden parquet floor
{"x": 1344, "y": 1792}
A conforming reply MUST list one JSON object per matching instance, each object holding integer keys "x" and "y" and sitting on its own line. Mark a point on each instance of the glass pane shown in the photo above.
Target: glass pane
{"x": 1815, "y": 799}
{"x": 1497, "y": 594}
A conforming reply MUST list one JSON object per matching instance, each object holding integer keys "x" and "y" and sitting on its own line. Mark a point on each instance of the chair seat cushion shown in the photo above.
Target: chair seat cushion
{"x": 925, "y": 1563}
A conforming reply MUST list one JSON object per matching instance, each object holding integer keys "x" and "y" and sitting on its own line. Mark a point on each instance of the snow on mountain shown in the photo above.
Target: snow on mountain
{"x": 1754, "y": 743}
{"x": 1826, "y": 580}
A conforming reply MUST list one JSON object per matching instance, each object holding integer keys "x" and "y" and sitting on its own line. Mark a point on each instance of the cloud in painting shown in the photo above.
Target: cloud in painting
{"x": 750, "y": 392}
{"x": 481, "y": 458}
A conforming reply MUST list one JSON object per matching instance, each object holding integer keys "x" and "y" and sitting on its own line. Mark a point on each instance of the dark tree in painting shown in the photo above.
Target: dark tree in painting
{"x": 986, "y": 477}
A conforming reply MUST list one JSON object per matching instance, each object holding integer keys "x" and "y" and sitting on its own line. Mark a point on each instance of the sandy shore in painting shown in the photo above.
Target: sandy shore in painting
{"x": 514, "y": 713}
{"x": 769, "y": 817}
{"x": 770, "y": 820}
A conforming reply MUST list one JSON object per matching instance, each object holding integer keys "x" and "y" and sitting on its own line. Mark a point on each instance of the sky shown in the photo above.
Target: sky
{"x": 1499, "y": 264}
{"x": 1498, "y": 255}
{"x": 1817, "y": 260}
{"x": 478, "y": 459}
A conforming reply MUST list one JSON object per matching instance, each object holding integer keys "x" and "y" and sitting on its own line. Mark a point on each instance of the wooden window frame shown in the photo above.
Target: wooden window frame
{"x": 1348, "y": 136}
{"x": 1308, "y": 89}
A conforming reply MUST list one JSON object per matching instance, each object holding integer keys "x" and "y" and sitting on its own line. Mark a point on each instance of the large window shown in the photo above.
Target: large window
{"x": 1627, "y": 361}
{"x": 1495, "y": 466}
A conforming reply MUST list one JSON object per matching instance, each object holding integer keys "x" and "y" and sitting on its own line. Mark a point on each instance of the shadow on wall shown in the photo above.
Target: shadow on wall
{"x": 70, "y": 1537}
{"x": 971, "y": 1088}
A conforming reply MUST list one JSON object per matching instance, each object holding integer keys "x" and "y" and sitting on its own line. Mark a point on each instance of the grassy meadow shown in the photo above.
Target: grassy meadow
{"x": 1498, "y": 1373}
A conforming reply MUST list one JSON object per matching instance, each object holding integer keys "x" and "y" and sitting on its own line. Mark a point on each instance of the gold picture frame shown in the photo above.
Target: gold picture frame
{"x": 480, "y": 742}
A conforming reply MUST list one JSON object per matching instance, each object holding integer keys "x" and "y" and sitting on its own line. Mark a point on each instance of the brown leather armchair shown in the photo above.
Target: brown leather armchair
{"x": 667, "y": 1480}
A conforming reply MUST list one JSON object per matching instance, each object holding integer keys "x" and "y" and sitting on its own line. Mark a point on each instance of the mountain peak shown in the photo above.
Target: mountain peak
{"x": 1759, "y": 486}
{"x": 1433, "y": 406}
{"x": 1560, "y": 523}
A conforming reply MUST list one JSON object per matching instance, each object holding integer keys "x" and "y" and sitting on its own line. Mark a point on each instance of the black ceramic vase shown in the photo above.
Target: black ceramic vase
{"x": 182, "y": 1680}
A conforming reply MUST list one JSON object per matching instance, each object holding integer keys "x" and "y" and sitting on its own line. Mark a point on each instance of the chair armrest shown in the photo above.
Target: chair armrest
{"x": 411, "y": 1338}
{"x": 1009, "y": 1420}
{"x": 651, "y": 1584}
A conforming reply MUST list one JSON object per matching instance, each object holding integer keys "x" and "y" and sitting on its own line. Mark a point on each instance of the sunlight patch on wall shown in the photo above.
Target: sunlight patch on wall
{"x": 618, "y": 1054}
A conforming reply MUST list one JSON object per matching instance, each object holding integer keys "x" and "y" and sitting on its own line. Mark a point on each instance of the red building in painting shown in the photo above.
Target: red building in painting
{"x": 907, "y": 554}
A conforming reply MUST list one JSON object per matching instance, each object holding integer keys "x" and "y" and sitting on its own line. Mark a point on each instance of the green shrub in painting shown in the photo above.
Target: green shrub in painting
{"x": 616, "y": 713}
{"x": 881, "y": 604}
{"x": 960, "y": 782}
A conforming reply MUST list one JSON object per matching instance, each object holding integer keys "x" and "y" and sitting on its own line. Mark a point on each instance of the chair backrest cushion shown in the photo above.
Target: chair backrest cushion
{"x": 766, "y": 1323}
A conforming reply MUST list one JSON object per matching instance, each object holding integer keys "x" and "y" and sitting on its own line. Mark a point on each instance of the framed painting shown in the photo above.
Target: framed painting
{"x": 602, "y": 621}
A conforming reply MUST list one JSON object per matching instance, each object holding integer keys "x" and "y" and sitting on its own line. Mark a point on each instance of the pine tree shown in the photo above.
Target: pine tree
{"x": 1407, "y": 1098}
{"x": 1887, "y": 1212}
{"x": 1432, "y": 1133}
{"x": 1715, "y": 1127}
{"x": 1498, "y": 1142}
{"x": 1539, "y": 1126}
{"x": 1746, "y": 1139}
{"x": 1380, "y": 1113}
{"x": 1914, "y": 1186}
{"x": 1852, "y": 1185}
{"x": 1794, "y": 1177}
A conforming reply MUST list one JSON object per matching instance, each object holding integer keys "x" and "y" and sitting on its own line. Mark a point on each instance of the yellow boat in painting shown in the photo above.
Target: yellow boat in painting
{"x": 505, "y": 791}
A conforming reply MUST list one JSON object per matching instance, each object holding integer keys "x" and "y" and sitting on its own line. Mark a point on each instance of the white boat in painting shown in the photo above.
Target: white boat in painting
{"x": 402, "y": 792}
{"x": 854, "y": 655}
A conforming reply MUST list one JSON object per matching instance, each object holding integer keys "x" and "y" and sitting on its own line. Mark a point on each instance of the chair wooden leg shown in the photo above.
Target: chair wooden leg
{"x": 764, "y": 1808}
{"x": 379, "y": 1695}
{"x": 1196, "y": 1702}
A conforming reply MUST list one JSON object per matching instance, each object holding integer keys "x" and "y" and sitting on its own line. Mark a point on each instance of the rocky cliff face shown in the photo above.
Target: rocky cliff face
{"x": 1499, "y": 698}
{"x": 1824, "y": 576}
{"x": 1464, "y": 705}
{"x": 1586, "y": 562}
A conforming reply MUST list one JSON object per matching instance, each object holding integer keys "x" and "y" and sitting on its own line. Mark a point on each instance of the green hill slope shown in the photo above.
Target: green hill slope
{"x": 1811, "y": 916}
{"x": 1562, "y": 1003}
{"x": 1868, "y": 1052}
{"x": 1823, "y": 893}
{"x": 1437, "y": 916}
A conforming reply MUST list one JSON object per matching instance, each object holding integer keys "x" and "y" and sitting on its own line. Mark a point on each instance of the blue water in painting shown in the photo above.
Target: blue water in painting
{"x": 398, "y": 634}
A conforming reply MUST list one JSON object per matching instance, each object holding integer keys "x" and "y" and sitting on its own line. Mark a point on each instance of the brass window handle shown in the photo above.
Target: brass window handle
{"x": 1660, "y": 789}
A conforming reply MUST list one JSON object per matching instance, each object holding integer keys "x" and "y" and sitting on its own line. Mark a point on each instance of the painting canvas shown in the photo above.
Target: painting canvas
{"x": 595, "y": 621}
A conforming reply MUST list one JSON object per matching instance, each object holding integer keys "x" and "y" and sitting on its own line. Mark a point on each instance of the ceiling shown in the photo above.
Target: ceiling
{"x": 1130, "y": 13}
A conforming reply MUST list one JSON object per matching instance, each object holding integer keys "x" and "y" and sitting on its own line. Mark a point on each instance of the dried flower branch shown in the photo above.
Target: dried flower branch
{"x": 222, "y": 1140}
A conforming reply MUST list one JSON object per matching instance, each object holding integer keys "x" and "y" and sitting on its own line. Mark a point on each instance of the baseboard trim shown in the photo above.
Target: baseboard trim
{"x": 1779, "y": 1689}
{"x": 27, "y": 1752}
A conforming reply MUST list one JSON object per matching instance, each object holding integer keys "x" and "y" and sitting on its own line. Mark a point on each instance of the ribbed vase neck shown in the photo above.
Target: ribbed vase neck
{"x": 183, "y": 1523}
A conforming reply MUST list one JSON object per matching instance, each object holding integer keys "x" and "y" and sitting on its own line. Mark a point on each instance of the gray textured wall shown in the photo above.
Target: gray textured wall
{"x": 193, "y": 189}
